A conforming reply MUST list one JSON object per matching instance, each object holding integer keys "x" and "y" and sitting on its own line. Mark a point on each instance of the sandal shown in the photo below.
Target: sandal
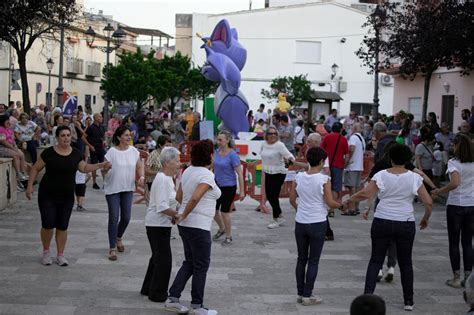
{"x": 113, "y": 254}
{"x": 218, "y": 235}
{"x": 121, "y": 247}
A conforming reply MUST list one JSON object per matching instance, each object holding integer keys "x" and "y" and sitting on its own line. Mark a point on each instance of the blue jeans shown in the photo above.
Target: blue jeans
{"x": 197, "y": 257}
{"x": 402, "y": 234}
{"x": 310, "y": 241}
{"x": 119, "y": 204}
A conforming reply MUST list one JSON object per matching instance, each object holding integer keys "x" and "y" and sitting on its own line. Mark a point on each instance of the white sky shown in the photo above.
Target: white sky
{"x": 160, "y": 14}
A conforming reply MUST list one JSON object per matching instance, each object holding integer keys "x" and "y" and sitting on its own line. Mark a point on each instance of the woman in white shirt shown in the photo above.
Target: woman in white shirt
{"x": 197, "y": 193}
{"x": 314, "y": 191}
{"x": 274, "y": 156}
{"x": 460, "y": 208}
{"x": 161, "y": 211}
{"x": 119, "y": 185}
{"x": 394, "y": 219}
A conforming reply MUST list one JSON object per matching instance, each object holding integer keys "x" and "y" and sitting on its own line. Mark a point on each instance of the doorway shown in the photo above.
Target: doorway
{"x": 447, "y": 110}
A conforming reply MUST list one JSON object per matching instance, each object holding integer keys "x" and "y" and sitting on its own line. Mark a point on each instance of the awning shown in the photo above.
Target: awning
{"x": 324, "y": 95}
{"x": 147, "y": 31}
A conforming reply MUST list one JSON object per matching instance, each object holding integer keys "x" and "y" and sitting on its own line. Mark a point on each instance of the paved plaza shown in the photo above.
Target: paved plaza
{"x": 253, "y": 276}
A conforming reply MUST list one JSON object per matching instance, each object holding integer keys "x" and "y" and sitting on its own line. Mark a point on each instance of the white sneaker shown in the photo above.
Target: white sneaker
{"x": 273, "y": 225}
{"x": 312, "y": 300}
{"x": 46, "y": 259}
{"x": 203, "y": 311}
{"x": 389, "y": 275}
{"x": 380, "y": 275}
{"x": 409, "y": 308}
{"x": 280, "y": 220}
{"x": 62, "y": 261}
{"x": 176, "y": 307}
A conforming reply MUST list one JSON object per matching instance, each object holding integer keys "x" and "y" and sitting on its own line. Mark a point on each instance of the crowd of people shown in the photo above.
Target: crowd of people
{"x": 412, "y": 162}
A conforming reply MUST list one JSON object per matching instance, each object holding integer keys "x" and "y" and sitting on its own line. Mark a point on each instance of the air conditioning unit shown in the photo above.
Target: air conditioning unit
{"x": 386, "y": 80}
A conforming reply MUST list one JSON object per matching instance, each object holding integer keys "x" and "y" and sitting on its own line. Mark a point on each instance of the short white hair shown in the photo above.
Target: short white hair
{"x": 380, "y": 127}
{"x": 316, "y": 137}
{"x": 168, "y": 154}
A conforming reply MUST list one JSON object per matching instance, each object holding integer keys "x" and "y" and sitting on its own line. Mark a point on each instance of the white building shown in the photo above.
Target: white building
{"x": 290, "y": 40}
{"x": 82, "y": 64}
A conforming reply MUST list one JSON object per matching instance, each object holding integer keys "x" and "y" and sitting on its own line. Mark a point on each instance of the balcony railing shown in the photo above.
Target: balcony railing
{"x": 93, "y": 69}
{"x": 74, "y": 65}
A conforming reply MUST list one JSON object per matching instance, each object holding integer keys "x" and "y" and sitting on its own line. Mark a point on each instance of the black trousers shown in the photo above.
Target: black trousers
{"x": 402, "y": 233}
{"x": 157, "y": 276}
{"x": 273, "y": 183}
{"x": 460, "y": 228}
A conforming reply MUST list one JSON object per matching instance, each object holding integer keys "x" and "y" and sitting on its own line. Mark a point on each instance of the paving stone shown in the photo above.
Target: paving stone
{"x": 254, "y": 276}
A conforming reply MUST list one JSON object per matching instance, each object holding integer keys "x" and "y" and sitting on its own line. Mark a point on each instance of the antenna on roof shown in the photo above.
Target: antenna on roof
{"x": 250, "y": 4}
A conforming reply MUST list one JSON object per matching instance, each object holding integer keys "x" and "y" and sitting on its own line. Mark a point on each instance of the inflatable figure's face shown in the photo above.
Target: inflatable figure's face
{"x": 224, "y": 40}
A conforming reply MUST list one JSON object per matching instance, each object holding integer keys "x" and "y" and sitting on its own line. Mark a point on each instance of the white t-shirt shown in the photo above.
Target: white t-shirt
{"x": 356, "y": 162}
{"x": 396, "y": 193}
{"x": 437, "y": 163}
{"x": 121, "y": 177}
{"x": 312, "y": 207}
{"x": 261, "y": 115}
{"x": 203, "y": 213}
{"x": 272, "y": 157}
{"x": 463, "y": 195}
{"x": 299, "y": 135}
{"x": 80, "y": 177}
{"x": 162, "y": 197}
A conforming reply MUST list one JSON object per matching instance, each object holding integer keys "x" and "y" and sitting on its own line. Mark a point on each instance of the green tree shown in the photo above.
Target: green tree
{"x": 132, "y": 80}
{"x": 298, "y": 89}
{"x": 172, "y": 75}
{"x": 421, "y": 36}
{"x": 199, "y": 87}
{"x": 24, "y": 21}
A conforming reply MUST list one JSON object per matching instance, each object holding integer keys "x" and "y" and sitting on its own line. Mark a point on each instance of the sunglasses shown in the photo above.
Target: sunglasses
{"x": 272, "y": 134}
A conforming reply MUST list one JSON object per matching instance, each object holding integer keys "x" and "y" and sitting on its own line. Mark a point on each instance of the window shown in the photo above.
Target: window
{"x": 415, "y": 107}
{"x": 308, "y": 52}
{"x": 362, "y": 109}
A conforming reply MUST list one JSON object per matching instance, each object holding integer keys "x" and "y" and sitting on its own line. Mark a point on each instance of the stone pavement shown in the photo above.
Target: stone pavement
{"x": 253, "y": 276}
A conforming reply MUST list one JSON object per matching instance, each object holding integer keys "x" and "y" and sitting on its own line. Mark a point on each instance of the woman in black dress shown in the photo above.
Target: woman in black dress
{"x": 56, "y": 190}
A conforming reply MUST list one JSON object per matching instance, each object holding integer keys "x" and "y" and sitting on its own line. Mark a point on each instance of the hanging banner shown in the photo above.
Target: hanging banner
{"x": 70, "y": 103}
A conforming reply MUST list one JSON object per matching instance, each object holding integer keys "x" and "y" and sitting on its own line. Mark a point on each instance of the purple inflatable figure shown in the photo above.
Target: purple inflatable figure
{"x": 225, "y": 59}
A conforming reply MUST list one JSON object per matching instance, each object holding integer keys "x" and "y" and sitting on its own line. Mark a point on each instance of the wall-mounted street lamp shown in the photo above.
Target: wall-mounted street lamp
{"x": 334, "y": 69}
{"x": 50, "y": 65}
{"x": 111, "y": 35}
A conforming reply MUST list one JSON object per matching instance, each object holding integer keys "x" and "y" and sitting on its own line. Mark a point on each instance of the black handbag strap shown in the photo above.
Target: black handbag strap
{"x": 335, "y": 150}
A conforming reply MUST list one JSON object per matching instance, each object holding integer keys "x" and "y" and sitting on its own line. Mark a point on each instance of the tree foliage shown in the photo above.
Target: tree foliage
{"x": 131, "y": 80}
{"x": 297, "y": 87}
{"x": 139, "y": 78}
{"x": 421, "y": 36}
{"x": 172, "y": 79}
{"x": 24, "y": 21}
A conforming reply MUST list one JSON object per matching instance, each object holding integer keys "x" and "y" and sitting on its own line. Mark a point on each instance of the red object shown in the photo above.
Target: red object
{"x": 329, "y": 145}
{"x": 242, "y": 149}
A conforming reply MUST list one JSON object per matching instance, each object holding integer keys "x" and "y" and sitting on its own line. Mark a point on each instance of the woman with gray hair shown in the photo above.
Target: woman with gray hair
{"x": 158, "y": 221}
{"x": 226, "y": 165}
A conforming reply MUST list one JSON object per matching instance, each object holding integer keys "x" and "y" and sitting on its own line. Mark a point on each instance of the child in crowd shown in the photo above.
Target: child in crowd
{"x": 80, "y": 190}
{"x": 150, "y": 144}
{"x": 438, "y": 162}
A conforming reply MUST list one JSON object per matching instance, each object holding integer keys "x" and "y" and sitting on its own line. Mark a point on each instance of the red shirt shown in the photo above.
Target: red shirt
{"x": 329, "y": 145}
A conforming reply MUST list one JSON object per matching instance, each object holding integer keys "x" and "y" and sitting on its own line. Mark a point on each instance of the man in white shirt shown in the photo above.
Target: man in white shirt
{"x": 260, "y": 113}
{"x": 355, "y": 164}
